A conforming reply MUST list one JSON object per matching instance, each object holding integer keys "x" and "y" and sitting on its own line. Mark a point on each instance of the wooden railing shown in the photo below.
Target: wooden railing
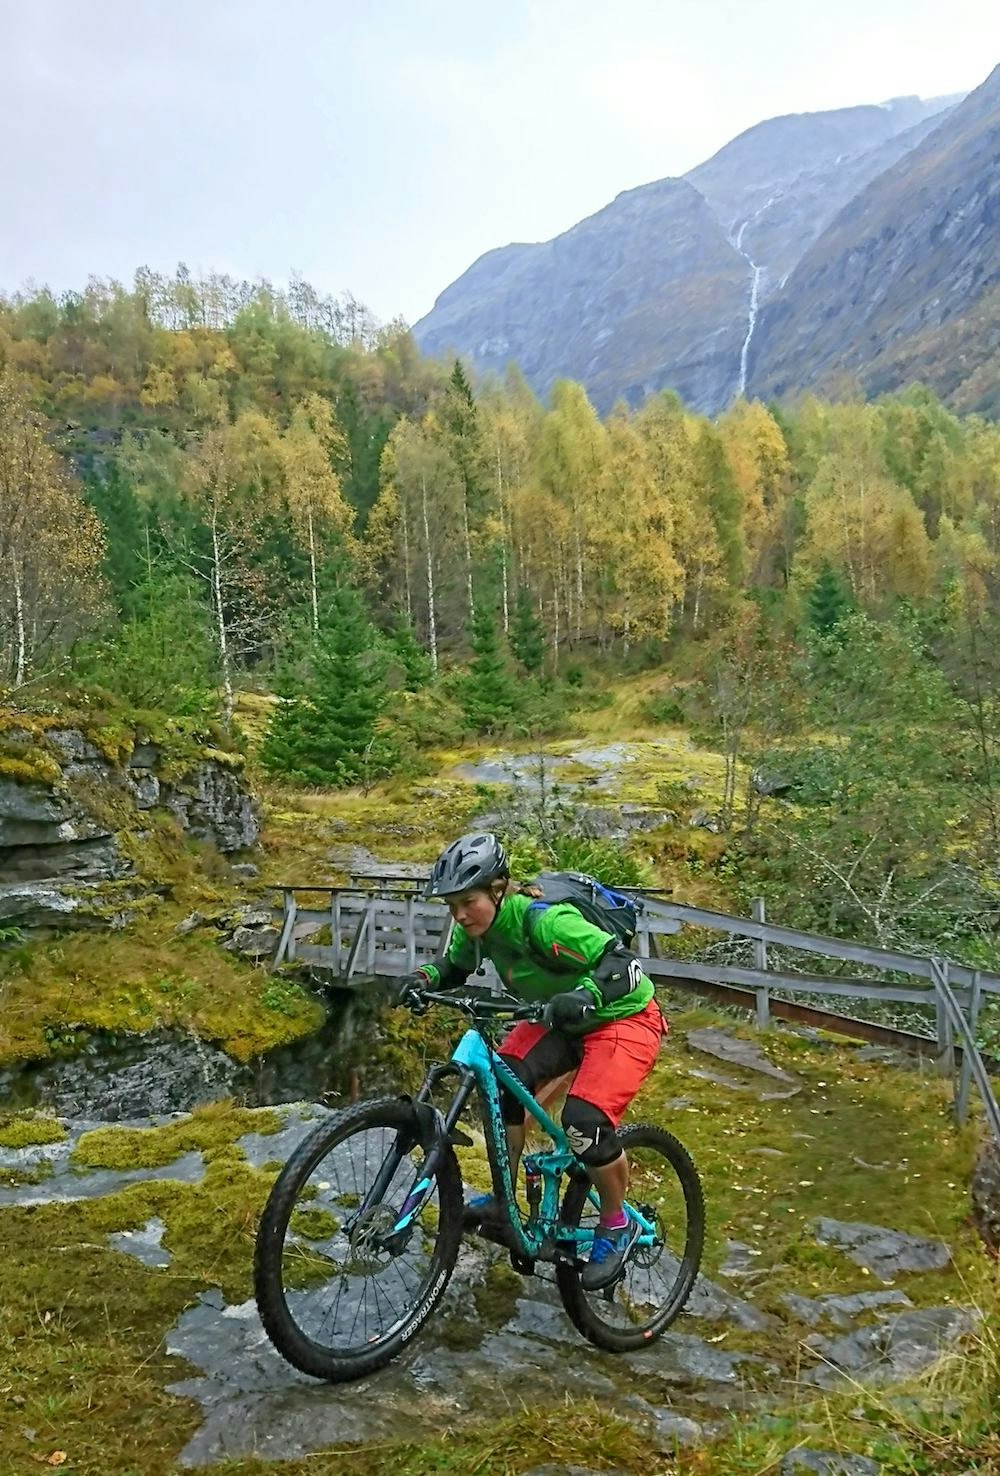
{"x": 382, "y": 928}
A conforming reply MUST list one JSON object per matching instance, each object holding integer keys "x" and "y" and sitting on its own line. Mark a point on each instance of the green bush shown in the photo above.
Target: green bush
{"x": 604, "y": 859}
{"x": 664, "y": 708}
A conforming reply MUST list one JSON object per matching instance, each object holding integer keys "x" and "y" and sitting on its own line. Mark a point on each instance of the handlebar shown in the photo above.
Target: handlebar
{"x": 477, "y": 1006}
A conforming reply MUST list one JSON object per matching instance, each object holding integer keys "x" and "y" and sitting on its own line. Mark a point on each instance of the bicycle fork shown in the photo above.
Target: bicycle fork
{"x": 439, "y": 1129}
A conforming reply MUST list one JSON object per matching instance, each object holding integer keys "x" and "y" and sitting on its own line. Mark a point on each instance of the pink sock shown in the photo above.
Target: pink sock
{"x": 617, "y": 1223}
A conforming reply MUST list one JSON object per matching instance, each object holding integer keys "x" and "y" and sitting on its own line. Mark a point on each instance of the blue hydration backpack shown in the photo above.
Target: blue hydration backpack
{"x": 613, "y": 912}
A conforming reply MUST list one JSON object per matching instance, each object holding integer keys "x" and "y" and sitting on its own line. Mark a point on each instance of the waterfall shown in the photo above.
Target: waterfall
{"x": 756, "y": 271}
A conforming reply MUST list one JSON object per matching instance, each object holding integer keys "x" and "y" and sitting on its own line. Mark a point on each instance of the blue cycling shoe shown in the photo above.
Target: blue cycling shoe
{"x": 610, "y": 1251}
{"x": 484, "y": 1215}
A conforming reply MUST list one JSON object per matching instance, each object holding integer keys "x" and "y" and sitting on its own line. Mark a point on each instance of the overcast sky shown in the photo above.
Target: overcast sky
{"x": 382, "y": 147}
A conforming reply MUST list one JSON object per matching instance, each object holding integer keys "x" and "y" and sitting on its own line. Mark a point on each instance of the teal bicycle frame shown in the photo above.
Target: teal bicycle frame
{"x": 480, "y": 1069}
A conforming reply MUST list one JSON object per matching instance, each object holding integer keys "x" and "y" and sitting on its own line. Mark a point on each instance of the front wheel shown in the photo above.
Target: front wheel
{"x": 657, "y": 1280}
{"x": 334, "y": 1300}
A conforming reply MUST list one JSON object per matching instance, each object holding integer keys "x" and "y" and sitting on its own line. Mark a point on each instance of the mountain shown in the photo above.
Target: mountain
{"x": 646, "y": 294}
{"x": 776, "y": 187}
{"x": 905, "y": 281}
{"x": 661, "y": 288}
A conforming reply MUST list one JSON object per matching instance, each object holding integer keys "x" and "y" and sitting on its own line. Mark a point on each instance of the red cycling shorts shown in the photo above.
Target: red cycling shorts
{"x": 611, "y": 1062}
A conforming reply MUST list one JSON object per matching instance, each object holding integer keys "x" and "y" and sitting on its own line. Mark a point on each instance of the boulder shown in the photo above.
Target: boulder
{"x": 61, "y": 828}
{"x": 768, "y": 785}
{"x": 883, "y": 1252}
{"x": 38, "y": 815}
{"x": 803, "y": 1462}
{"x": 253, "y": 942}
{"x": 212, "y": 805}
{"x": 145, "y": 788}
{"x": 986, "y": 1195}
{"x": 148, "y": 1077}
{"x": 45, "y": 905}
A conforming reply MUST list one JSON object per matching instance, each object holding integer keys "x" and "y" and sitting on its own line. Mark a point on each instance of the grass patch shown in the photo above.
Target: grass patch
{"x": 848, "y": 1113}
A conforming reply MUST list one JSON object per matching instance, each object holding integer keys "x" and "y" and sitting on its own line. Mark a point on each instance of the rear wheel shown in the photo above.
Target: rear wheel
{"x": 657, "y": 1280}
{"x": 333, "y": 1300}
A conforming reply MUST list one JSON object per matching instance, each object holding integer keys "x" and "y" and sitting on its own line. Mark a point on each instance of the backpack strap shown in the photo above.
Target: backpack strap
{"x": 545, "y": 959}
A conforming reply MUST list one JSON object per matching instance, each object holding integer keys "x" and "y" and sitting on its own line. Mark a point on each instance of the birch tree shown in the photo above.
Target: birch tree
{"x": 427, "y": 525}
{"x": 51, "y": 543}
{"x": 311, "y": 445}
{"x": 233, "y": 481}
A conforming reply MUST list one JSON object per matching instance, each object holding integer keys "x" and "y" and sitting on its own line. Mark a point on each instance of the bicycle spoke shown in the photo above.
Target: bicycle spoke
{"x": 367, "y": 1290}
{"x": 654, "y": 1274}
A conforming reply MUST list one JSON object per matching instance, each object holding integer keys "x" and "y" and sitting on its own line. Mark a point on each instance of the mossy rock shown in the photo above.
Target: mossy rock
{"x": 207, "y": 1130}
{"x": 29, "y": 1131}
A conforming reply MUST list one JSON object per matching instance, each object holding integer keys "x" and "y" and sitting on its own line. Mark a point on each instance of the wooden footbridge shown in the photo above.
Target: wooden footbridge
{"x": 381, "y": 927}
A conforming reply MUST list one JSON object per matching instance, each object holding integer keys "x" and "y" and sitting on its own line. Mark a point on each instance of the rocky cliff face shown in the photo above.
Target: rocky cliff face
{"x": 914, "y": 251}
{"x": 645, "y": 295}
{"x": 659, "y": 290}
{"x": 778, "y": 186}
{"x": 76, "y": 807}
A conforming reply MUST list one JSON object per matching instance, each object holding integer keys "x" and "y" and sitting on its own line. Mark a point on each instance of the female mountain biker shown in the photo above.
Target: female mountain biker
{"x": 607, "y": 1028}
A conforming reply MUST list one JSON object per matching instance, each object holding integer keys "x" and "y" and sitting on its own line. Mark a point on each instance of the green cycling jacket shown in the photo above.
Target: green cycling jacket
{"x": 575, "y": 944}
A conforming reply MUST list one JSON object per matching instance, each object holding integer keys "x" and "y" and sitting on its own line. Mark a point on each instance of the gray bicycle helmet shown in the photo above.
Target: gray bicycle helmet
{"x": 471, "y": 861}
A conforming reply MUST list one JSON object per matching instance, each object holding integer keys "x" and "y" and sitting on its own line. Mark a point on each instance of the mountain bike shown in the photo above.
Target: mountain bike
{"x": 362, "y": 1228}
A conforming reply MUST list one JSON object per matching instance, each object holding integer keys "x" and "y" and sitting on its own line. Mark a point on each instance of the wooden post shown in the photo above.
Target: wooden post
{"x": 411, "y": 933}
{"x": 760, "y": 962}
{"x": 446, "y": 932}
{"x": 291, "y": 909}
{"x": 944, "y": 1028}
{"x": 352, "y": 956}
{"x": 965, "y": 1076}
{"x": 370, "y": 957}
{"x": 336, "y": 929}
{"x": 283, "y": 949}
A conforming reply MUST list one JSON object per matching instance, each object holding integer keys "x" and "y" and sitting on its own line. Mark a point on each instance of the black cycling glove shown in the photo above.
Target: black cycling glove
{"x": 407, "y": 991}
{"x": 569, "y": 1012}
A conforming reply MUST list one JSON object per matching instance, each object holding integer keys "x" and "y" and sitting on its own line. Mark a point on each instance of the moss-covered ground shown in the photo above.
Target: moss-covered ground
{"x": 54, "y": 995}
{"x": 82, "y": 1363}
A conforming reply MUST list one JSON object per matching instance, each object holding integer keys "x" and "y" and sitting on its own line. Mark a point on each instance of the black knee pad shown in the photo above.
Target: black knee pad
{"x": 591, "y": 1133}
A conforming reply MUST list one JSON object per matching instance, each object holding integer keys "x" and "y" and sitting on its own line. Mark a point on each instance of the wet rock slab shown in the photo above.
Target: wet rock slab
{"x": 885, "y": 1253}
{"x": 254, "y": 1403}
{"x": 893, "y": 1350}
{"x": 61, "y": 1181}
{"x": 736, "y": 1052}
{"x": 803, "y": 1462}
{"x": 298, "y": 1122}
{"x": 144, "y": 1243}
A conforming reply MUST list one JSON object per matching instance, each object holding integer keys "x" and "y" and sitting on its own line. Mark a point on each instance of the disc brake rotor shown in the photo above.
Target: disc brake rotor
{"x": 368, "y": 1255}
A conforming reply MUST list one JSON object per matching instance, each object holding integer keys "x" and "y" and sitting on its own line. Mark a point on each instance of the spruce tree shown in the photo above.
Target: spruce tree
{"x": 411, "y": 655}
{"x": 113, "y": 498}
{"x": 828, "y": 600}
{"x": 325, "y": 731}
{"x": 527, "y": 636}
{"x": 489, "y": 693}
